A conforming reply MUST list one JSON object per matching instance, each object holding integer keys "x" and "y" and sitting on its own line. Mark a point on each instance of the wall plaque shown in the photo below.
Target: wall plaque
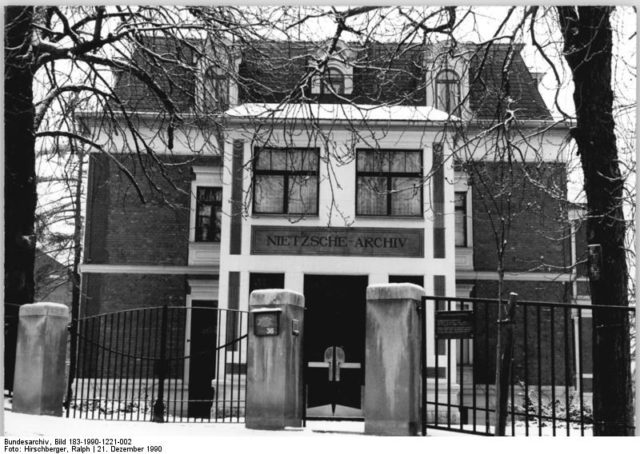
{"x": 454, "y": 324}
{"x": 357, "y": 241}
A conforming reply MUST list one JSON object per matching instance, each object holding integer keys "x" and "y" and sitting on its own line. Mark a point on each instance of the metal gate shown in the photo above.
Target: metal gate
{"x": 163, "y": 364}
{"x": 550, "y": 389}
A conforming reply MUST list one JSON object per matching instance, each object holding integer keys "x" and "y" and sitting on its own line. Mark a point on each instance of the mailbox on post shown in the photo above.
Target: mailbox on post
{"x": 266, "y": 321}
{"x": 274, "y": 360}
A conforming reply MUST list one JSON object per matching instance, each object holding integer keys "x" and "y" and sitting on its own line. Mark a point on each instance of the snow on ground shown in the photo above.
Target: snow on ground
{"x": 21, "y": 425}
{"x": 169, "y": 438}
{"x": 318, "y": 437}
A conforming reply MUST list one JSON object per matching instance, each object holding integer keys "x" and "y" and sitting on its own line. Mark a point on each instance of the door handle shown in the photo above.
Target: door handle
{"x": 339, "y": 360}
{"x": 334, "y": 360}
{"x": 328, "y": 358}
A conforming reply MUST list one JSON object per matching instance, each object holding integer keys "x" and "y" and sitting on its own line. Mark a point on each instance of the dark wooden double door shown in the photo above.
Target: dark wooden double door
{"x": 334, "y": 345}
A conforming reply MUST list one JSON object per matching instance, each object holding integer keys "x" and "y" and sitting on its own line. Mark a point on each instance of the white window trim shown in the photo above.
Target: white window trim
{"x": 204, "y": 176}
{"x": 460, "y": 66}
{"x": 461, "y": 184}
{"x": 232, "y": 85}
{"x": 344, "y": 68}
{"x": 439, "y": 75}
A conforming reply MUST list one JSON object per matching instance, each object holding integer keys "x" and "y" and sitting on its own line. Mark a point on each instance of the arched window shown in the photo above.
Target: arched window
{"x": 216, "y": 91}
{"x": 333, "y": 82}
{"x": 447, "y": 91}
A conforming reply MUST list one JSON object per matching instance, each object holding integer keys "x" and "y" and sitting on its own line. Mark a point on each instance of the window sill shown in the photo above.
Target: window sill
{"x": 390, "y": 216}
{"x": 204, "y": 253}
{"x": 285, "y": 216}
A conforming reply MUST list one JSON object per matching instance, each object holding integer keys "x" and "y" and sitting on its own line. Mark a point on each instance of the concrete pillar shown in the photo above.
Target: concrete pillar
{"x": 392, "y": 391}
{"x": 274, "y": 360}
{"x": 39, "y": 380}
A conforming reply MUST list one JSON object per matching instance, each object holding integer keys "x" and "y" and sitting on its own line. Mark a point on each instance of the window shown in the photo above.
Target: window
{"x": 461, "y": 219}
{"x": 447, "y": 91}
{"x": 216, "y": 91}
{"x": 333, "y": 82}
{"x": 285, "y": 181}
{"x": 208, "y": 214}
{"x": 389, "y": 183}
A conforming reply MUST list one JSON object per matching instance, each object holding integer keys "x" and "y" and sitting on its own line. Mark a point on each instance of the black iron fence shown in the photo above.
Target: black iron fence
{"x": 188, "y": 364}
{"x": 164, "y": 364}
{"x": 550, "y": 392}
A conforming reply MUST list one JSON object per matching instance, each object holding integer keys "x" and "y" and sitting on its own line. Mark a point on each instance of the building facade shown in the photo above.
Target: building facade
{"x": 372, "y": 176}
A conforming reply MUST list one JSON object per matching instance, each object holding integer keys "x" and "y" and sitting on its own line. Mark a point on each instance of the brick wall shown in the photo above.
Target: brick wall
{"x": 547, "y": 331}
{"x": 130, "y": 337}
{"x": 121, "y": 229}
{"x": 538, "y": 237}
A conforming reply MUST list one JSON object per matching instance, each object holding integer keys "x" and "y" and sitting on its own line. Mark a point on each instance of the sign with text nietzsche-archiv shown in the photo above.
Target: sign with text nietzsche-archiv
{"x": 366, "y": 242}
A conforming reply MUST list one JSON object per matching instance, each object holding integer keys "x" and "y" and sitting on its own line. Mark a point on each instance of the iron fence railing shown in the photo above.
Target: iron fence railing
{"x": 550, "y": 390}
{"x": 188, "y": 364}
{"x": 163, "y": 364}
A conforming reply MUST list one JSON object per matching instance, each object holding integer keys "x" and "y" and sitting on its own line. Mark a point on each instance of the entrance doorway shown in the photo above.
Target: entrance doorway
{"x": 202, "y": 352}
{"x": 334, "y": 344}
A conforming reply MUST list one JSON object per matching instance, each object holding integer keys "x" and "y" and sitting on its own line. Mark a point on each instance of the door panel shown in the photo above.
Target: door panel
{"x": 204, "y": 325}
{"x": 334, "y": 344}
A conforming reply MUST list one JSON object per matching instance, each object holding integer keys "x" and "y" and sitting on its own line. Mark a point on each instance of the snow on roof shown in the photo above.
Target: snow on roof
{"x": 337, "y": 112}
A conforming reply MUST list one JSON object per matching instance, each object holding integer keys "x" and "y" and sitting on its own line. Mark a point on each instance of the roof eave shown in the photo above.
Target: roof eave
{"x": 251, "y": 120}
{"x": 527, "y": 123}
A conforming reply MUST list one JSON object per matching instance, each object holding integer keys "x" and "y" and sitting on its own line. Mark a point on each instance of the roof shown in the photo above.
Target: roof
{"x": 170, "y": 65}
{"x": 490, "y": 88}
{"x": 47, "y": 264}
{"x": 275, "y": 72}
{"x": 337, "y": 112}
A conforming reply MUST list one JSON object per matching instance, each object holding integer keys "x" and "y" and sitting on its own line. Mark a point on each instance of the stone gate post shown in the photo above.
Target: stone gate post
{"x": 274, "y": 360}
{"x": 39, "y": 383}
{"x": 392, "y": 391}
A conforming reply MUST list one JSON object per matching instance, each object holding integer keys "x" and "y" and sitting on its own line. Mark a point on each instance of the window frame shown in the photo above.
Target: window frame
{"x": 214, "y": 211}
{"x": 215, "y": 82}
{"x": 327, "y": 86}
{"x": 389, "y": 175}
{"x": 448, "y": 77}
{"x": 285, "y": 174}
{"x": 463, "y": 209}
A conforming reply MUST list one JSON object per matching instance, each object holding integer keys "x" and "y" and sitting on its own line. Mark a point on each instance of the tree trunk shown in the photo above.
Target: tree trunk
{"x": 20, "y": 178}
{"x": 588, "y": 50}
{"x": 75, "y": 275}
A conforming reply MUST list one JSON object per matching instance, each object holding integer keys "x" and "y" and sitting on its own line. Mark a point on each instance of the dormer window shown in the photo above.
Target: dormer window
{"x": 332, "y": 74}
{"x": 447, "y": 91}
{"x": 333, "y": 82}
{"x": 216, "y": 91}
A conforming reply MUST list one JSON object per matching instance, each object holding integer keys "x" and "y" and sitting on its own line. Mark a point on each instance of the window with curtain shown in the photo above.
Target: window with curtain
{"x": 389, "y": 183}
{"x": 461, "y": 219}
{"x": 448, "y": 91}
{"x": 285, "y": 181}
{"x": 208, "y": 214}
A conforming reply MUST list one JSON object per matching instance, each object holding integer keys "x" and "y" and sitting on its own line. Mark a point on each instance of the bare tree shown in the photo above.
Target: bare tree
{"x": 583, "y": 35}
{"x": 54, "y": 55}
{"x": 125, "y": 41}
{"x": 588, "y": 47}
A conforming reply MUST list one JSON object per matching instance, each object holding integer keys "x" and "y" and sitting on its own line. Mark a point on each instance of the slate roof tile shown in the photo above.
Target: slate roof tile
{"x": 272, "y": 72}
